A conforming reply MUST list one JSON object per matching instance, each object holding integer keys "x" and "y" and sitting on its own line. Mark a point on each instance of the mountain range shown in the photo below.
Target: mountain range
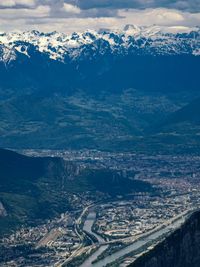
{"x": 105, "y": 89}
{"x": 91, "y": 44}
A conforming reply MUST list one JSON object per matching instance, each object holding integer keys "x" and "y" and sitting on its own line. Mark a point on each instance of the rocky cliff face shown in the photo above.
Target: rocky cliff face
{"x": 3, "y": 212}
{"x": 180, "y": 249}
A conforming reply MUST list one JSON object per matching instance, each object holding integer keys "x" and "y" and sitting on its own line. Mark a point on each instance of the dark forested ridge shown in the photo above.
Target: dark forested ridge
{"x": 29, "y": 188}
{"x": 34, "y": 188}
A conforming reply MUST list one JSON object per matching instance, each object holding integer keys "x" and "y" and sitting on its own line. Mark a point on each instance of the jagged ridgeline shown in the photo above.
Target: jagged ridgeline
{"x": 180, "y": 249}
{"x": 33, "y": 188}
{"x": 99, "y": 60}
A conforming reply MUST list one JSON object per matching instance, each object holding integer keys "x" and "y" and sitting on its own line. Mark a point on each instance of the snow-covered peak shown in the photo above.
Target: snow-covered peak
{"x": 132, "y": 29}
{"x": 132, "y": 39}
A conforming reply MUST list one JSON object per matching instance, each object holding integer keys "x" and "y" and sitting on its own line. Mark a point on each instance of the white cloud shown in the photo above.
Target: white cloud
{"x": 69, "y": 18}
{"x": 71, "y": 9}
{"x": 10, "y": 15}
{"x": 13, "y": 3}
{"x": 160, "y": 16}
{"x": 175, "y": 29}
{"x": 170, "y": 16}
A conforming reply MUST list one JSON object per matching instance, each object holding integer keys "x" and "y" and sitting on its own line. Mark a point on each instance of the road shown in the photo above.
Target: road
{"x": 80, "y": 236}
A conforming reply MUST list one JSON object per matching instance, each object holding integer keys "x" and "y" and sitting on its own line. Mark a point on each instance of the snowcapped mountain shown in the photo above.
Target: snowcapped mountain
{"x": 89, "y": 44}
{"x": 86, "y": 89}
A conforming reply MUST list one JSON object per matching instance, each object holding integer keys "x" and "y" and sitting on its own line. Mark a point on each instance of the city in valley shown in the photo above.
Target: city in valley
{"x": 103, "y": 230}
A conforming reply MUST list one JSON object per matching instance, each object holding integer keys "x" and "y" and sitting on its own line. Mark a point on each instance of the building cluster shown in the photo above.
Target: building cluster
{"x": 53, "y": 241}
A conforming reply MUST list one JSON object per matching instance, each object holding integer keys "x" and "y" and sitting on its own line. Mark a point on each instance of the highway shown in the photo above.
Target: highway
{"x": 80, "y": 236}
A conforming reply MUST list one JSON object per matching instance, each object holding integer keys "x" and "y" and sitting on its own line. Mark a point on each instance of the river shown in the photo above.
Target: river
{"x": 88, "y": 228}
{"x": 131, "y": 248}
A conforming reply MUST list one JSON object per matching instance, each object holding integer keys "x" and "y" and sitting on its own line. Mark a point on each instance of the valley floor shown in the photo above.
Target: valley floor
{"x": 101, "y": 226}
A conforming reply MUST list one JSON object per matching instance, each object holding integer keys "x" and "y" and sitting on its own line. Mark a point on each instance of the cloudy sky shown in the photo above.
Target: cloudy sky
{"x": 78, "y": 15}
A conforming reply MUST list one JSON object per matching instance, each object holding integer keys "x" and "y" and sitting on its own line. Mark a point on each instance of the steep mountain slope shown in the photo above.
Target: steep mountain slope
{"x": 180, "y": 249}
{"x": 30, "y": 188}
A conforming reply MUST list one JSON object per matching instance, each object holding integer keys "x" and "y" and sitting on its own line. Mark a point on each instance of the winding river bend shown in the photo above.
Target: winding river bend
{"x": 131, "y": 248}
{"x": 88, "y": 228}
